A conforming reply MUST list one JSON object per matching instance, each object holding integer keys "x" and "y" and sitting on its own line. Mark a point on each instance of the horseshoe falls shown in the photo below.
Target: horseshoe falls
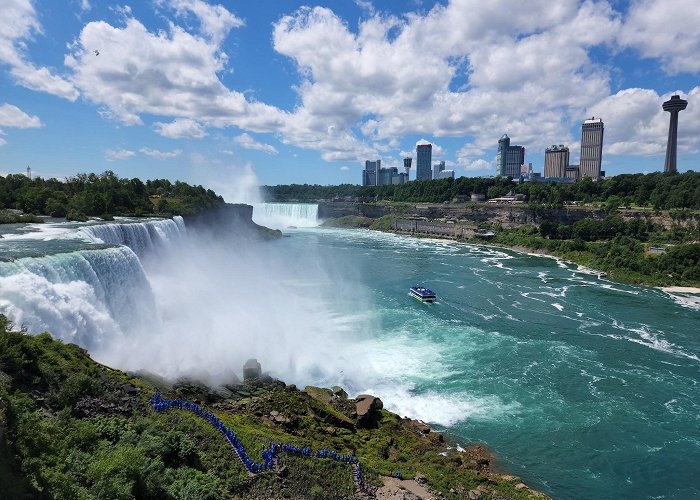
{"x": 286, "y": 215}
{"x": 584, "y": 387}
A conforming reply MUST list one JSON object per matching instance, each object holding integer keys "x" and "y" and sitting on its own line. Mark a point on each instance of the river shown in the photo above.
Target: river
{"x": 583, "y": 387}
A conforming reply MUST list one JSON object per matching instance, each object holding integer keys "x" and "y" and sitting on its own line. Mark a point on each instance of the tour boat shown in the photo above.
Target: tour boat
{"x": 422, "y": 293}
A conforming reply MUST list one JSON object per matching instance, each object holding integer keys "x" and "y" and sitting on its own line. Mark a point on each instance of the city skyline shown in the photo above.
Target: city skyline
{"x": 207, "y": 93}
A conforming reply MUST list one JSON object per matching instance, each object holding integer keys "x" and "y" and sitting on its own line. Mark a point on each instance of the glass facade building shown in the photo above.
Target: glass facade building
{"x": 424, "y": 159}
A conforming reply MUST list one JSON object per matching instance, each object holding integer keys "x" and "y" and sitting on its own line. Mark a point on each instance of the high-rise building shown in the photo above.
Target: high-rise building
{"x": 437, "y": 168}
{"x": 572, "y": 172}
{"x": 370, "y": 175}
{"x": 407, "y": 165}
{"x": 510, "y": 159}
{"x": 446, "y": 174}
{"x": 556, "y": 159}
{"x": 424, "y": 158}
{"x": 674, "y": 105}
{"x": 591, "y": 148}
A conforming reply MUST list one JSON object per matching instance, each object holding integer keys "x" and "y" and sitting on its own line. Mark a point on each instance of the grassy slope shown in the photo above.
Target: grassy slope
{"x": 81, "y": 430}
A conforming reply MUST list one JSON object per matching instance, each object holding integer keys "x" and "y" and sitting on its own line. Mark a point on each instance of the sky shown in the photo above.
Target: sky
{"x": 287, "y": 92}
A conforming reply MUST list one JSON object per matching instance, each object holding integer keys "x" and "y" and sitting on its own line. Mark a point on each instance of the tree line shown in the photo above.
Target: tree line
{"x": 658, "y": 190}
{"x": 102, "y": 195}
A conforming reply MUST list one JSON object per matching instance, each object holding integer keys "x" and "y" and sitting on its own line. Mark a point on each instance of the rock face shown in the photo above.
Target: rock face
{"x": 367, "y": 408}
{"x": 252, "y": 369}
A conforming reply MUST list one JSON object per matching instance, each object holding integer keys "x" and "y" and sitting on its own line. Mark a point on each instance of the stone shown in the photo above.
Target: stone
{"x": 420, "y": 478}
{"x": 338, "y": 392}
{"x": 252, "y": 369}
{"x": 474, "y": 494}
{"x": 367, "y": 408}
{"x": 520, "y": 486}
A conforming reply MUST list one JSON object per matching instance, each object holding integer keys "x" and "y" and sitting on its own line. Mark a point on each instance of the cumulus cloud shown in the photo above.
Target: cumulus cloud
{"x": 168, "y": 73}
{"x": 181, "y": 128}
{"x": 12, "y": 116}
{"x": 160, "y": 155}
{"x": 247, "y": 142}
{"x": 215, "y": 20}
{"x": 119, "y": 154}
{"x": 344, "y": 168}
{"x": 20, "y": 25}
{"x": 665, "y": 31}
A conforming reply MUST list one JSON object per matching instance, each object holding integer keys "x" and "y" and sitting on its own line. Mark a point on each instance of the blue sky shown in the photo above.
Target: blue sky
{"x": 290, "y": 92}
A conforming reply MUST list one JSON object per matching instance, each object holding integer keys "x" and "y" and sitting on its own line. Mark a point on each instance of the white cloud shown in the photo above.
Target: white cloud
{"x": 170, "y": 73}
{"x": 344, "y": 168}
{"x": 180, "y": 128}
{"x": 119, "y": 154}
{"x": 85, "y": 5}
{"x": 20, "y": 25}
{"x": 215, "y": 20}
{"x": 667, "y": 31}
{"x": 12, "y": 116}
{"x": 160, "y": 155}
{"x": 247, "y": 142}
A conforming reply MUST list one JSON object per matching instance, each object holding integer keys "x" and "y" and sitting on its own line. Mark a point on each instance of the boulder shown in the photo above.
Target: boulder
{"x": 338, "y": 392}
{"x": 367, "y": 408}
{"x": 252, "y": 369}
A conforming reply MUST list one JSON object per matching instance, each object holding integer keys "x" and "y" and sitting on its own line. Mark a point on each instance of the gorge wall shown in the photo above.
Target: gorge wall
{"x": 506, "y": 215}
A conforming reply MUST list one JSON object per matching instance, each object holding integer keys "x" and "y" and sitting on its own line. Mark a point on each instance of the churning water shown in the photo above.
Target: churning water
{"x": 584, "y": 387}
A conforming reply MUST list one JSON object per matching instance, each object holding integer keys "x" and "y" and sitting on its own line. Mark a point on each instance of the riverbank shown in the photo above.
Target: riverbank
{"x": 621, "y": 258}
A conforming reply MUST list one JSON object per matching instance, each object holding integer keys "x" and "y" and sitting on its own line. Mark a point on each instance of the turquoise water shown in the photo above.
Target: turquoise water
{"x": 584, "y": 387}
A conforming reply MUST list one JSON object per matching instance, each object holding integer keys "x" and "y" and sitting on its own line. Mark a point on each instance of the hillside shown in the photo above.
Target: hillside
{"x": 71, "y": 428}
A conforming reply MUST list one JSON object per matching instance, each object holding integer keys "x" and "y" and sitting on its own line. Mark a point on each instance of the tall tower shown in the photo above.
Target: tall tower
{"x": 29, "y": 173}
{"x": 503, "y": 145}
{"x": 673, "y": 106}
{"x": 407, "y": 165}
{"x": 424, "y": 158}
{"x": 591, "y": 148}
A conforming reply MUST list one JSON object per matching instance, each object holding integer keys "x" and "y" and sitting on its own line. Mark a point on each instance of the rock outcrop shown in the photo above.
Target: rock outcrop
{"x": 368, "y": 409}
{"x": 252, "y": 369}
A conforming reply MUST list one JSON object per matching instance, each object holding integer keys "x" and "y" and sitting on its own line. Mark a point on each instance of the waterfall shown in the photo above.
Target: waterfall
{"x": 284, "y": 215}
{"x": 85, "y": 296}
{"x": 141, "y": 237}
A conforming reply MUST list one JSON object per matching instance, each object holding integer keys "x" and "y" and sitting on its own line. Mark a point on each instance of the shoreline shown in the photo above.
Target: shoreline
{"x": 668, "y": 289}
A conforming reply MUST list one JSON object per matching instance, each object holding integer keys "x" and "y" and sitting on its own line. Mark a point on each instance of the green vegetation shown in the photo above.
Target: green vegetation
{"x": 73, "y": 429}
{"x": 659, "y": 191}
{"x": 618, "y": 247}
{"x": 91, "y": 195}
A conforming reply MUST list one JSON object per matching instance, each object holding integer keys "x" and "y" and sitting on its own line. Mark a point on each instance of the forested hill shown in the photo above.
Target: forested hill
{"x": 104, "y": 194}
{"x": 658, "y": 190}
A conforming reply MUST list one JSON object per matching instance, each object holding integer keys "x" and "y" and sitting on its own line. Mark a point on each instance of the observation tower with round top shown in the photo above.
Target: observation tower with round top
{"x": 673, "y": 106}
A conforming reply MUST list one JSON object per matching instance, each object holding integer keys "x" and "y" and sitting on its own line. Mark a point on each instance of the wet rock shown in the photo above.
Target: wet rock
{"x": 252, "y": 369}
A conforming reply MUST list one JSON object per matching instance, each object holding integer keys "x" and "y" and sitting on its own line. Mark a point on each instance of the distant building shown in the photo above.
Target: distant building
{"x": 572, "y": 172}
{"x": 446, "y": 174}
{"x": 556, "y": 159}
{"x": 407, "y": 166}
{"x": 510, "y": 159}
{"x": 370, "y": 175}
{"x": 437, "y": 168}
{"x": 424, "y": 157}
{"x": 526, "y": 169}
{"x": 591, "y": 148}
